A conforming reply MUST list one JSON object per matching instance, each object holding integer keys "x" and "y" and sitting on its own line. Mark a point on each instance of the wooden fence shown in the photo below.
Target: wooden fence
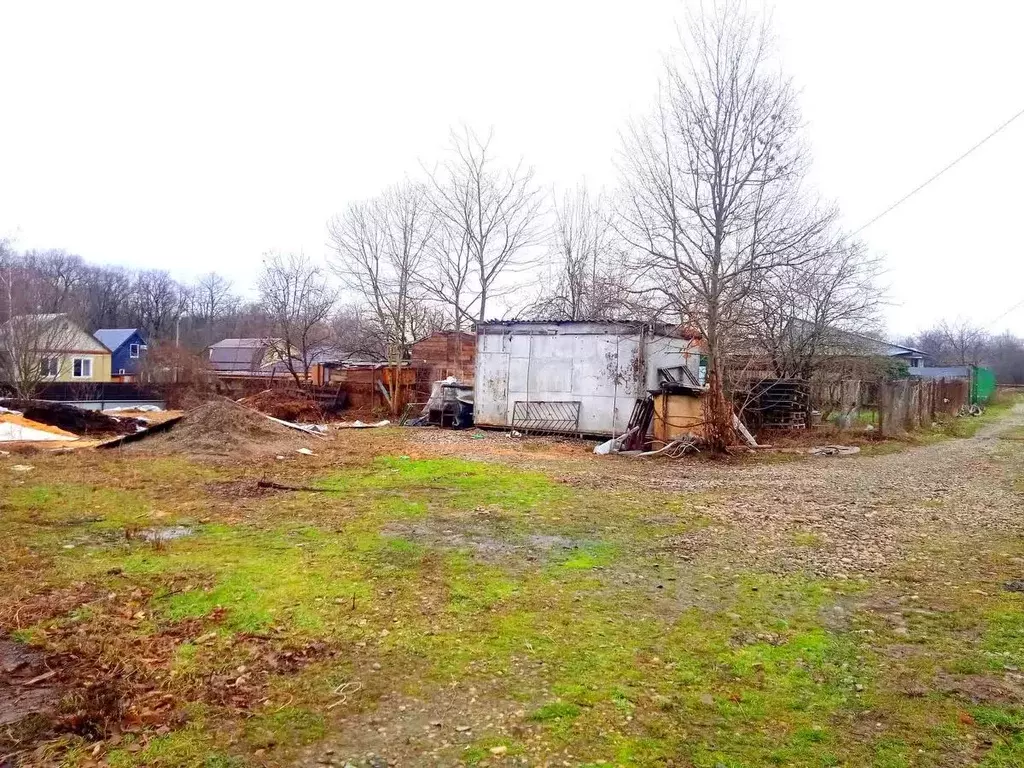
{"x": 910, "y": 404}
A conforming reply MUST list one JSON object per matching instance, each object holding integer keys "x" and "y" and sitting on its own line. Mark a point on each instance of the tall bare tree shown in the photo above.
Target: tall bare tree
{"x": 447, "y": 273}
{"x": 212, "y": 298}
{"x": 712, "y": 186}
{"x": 33, "y": 337}
{"x": 33, "y": 350}
{"x": 298, "y": 301}
{"x": 210, "y": 301}
{"x": 588, "y": 282}
{"x": 488, "y": 218}
{"x": 380, "y": 246}
{"x": 156, "y": 298}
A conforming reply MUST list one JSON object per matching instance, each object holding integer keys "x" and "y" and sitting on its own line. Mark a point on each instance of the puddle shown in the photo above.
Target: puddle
{"x": 482, "y": 541}
{"x": 168, "y": 533}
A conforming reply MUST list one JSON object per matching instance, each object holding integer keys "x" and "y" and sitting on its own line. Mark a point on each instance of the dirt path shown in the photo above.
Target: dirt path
{"x": 829, "y": 515}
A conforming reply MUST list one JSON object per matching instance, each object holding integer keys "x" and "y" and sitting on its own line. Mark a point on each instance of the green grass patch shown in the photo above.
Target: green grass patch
{"x": 556, "y": 710}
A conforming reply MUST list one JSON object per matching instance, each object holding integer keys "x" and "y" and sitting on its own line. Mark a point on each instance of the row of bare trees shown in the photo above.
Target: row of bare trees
{"x": 960, "y": 342}
{"x": 714, "y": 226}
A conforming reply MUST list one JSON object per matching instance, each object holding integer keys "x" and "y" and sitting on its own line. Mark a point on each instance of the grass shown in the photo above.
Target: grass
{"x": 544, "y": 616}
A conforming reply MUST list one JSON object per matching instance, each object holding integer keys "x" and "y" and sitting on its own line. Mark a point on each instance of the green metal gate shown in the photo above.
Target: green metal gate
{"x": 983, "y": 384}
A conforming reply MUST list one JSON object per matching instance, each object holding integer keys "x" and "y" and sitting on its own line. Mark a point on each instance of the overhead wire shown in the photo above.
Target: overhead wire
{"x": 928, "y": 181}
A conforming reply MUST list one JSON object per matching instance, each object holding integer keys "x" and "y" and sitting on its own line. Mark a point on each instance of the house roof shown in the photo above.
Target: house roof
{"x": 889, "y": 348}
{"x": 244, "y": 343}
{"x": 662, "y": 329}
{"x": 237, "y": 355}
{"x": 114, "y": 338}
{"x": 69, "y": 338}
{"x": 846, "y": 342}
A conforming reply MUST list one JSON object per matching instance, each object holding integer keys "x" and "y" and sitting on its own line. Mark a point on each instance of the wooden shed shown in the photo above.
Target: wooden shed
{"x": 445, "y": 353}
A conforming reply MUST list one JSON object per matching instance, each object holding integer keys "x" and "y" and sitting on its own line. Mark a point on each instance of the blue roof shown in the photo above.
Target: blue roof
{"x": 113, "y": 338}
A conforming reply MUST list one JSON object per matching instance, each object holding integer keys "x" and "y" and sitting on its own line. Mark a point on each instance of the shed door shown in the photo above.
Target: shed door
{"x": 490, "y": 393}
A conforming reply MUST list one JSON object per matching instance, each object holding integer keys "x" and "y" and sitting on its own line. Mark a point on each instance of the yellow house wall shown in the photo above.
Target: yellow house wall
{"x": 100, "y": 367}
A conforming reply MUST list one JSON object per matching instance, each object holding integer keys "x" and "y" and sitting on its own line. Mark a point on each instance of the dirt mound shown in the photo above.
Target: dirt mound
{"x": 224, "y": 428}
{"x": 287, "y": 404}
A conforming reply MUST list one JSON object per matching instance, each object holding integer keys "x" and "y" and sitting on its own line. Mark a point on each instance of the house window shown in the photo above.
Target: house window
{"x": 81, "y": 368}
{"x": 49, "y": 367}
{"x": 120, "y": 371}
{"x": 133, "y": 350}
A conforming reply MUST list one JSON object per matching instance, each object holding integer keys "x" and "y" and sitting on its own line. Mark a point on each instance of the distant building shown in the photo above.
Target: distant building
{"x": 245, "y": 357}
{"x": 56, "y": 348}
{"x": 914, "y": 358}
{"x": 128, "y": 350}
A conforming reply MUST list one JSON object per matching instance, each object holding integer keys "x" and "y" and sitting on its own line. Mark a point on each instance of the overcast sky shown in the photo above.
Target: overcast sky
{"x": 195, "y": 136}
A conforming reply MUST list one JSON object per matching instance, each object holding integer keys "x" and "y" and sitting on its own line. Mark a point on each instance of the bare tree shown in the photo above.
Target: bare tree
{"x": 156, "y": 298}
{"x": 446, "y": 274}
{"x": 952, "y": 342}
{"x": 212, "y": 298}
{"x": 803, "y": 315}
{"x": 298, "y": 301}
{"x": 488, "y": 222}
{"x": 712, "y": 198}
{"x": 33, "y": 339}
{"x": 61, "y": 274}
{"x": 588, "y": 282}
{"x": 106, "y": 297}
{"x": 380, "y": 245}
{"x": 1005, "y": 355}
{"x": 355, "y": 331}
{"x": 933, "y": 343}
{"x": 33, "y": 350}
{"x": 966, "y": 342}
{"x": 210, "y": 301}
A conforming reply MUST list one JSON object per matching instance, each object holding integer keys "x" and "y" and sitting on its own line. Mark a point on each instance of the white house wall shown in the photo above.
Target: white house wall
{"x": 596, "y": 364}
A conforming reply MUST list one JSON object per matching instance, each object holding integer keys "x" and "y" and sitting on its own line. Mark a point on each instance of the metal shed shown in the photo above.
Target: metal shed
{"x": 575, "y": 377}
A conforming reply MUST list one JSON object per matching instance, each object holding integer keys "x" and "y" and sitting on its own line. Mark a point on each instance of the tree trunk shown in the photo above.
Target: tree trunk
{"x": 718, "y": 430}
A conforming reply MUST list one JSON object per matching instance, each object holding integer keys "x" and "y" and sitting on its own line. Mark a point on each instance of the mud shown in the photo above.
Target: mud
{"x": 168, "y": 533}
{"x": 483, "y": 542}
{"x": 26, "y": 684}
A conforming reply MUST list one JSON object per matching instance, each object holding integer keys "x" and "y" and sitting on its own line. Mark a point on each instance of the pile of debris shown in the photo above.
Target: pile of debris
{"x": 71, "y": 419}
{"x": 286, "y": 404}
{"x": 15, "y": 428}
{"x": 220, "y": 428}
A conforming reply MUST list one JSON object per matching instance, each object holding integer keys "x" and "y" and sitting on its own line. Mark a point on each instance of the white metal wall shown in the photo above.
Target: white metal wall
{"x": 599, "y": 365}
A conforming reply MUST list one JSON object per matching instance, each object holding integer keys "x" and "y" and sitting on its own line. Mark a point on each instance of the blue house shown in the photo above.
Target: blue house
{"x": 128, "y": 349}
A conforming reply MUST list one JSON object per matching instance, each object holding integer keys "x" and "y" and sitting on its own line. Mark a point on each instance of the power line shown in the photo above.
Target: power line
{"x": 990, "y": 323}
{"x": 917, "y": 189}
